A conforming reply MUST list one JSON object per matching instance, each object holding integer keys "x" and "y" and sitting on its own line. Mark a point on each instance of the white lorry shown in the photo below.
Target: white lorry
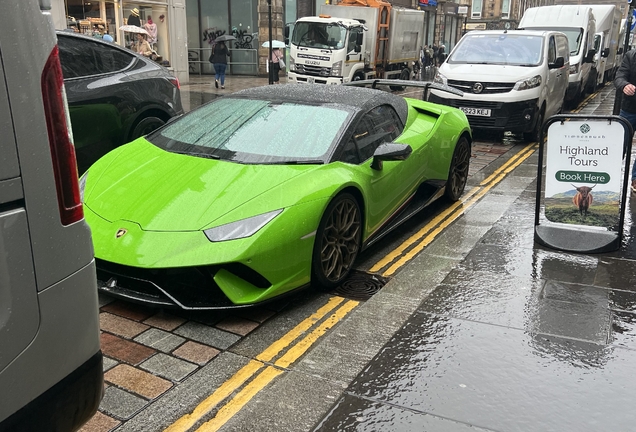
{"x": 606, "y": 41}
{"x": 349, "y": 43}
{"x": 578, "y": 24}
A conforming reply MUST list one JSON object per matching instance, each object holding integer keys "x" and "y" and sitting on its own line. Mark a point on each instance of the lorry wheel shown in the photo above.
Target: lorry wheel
{"x": 405, "y": 75}
{"x": 358, "y": 76}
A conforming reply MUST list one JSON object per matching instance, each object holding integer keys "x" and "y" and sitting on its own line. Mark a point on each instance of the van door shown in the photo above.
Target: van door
{"x": 563, "y": 50}
{"x": 552, "y": 103}
{"x": 19, "y": 312}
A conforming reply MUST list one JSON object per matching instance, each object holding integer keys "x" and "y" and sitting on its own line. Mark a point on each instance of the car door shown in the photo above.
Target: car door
{"x": 388, "y": 188}
{"x": 98, "y": 98}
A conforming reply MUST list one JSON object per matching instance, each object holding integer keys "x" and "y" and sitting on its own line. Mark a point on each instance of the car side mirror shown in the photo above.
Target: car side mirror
{"x": 605, "y": 52}
{"x": 390, "y": 152}
{"x": 557, "y": 64}
{"x": 358, "y": 48}
{"x": 359, "y": 39}
{"x": 589, "y": 57}
{"x": 287, "y": 31}
{"x": 620, "y": 51}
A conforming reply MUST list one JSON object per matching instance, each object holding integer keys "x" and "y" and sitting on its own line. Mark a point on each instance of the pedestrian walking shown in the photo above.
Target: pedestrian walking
{"x": 142, "y": 46}
{"x": 275, "y": 65}
{"x": 625, "y": 81}
{"x": 218, "y": 58}
{"x": 441, "y": 54}
{"x": 435, "y": 54}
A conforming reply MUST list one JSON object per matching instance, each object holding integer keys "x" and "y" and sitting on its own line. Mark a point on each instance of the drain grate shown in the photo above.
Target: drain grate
{"x": 360, "y": 286}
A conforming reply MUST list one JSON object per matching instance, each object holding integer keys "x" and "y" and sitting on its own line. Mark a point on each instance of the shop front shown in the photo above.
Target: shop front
{"x": 163, "y": 20}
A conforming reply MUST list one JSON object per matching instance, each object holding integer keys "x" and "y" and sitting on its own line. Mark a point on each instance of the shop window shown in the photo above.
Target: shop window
{"x": 80, "y": 58}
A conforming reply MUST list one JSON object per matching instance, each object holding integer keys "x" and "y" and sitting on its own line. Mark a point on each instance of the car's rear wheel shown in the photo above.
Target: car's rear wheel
{"x": 145, "y": 126}
{"x": 337, "y": 241}
{"x": 458, "y": 172}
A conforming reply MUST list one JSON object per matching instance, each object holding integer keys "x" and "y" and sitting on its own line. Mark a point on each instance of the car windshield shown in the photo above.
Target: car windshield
{"x": 575, "y": 37}
{"x": 500, "y": 49}
{"x": 255, "y": 131}
{"x": 319, "y": 35}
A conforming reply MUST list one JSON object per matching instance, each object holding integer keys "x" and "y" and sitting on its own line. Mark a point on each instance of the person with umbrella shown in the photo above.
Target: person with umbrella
{"x": 218, "y": 58}
{"x": 142, "y": 46}
{"x": 276, "y": 62}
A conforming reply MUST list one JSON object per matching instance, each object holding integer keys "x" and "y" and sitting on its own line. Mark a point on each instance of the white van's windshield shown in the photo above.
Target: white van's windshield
{"x": 500, "y": 49}
{"x": 575, "y": 37}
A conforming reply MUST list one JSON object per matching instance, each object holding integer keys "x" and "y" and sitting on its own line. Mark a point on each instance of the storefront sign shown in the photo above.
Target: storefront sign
{"x": 475, "y": 26}
{"x": 427, "y": 2}
{"x": 583, "y": 173}
{"x": 582, "y": 193}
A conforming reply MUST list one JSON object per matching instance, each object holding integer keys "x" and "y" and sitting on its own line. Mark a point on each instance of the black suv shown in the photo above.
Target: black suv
{"x": 114, "y": 95}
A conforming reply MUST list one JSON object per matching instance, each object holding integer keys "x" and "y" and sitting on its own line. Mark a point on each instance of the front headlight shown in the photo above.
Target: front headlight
{"x": 529, "y": 83}
{"x": 440, "y": 79}
{"x": 336, "y": 68}
{"x": 292, "y": 64}
{"x": 82, "y": 185}
{"x": 574, "y": 69}
{"x": 240, "y": 229}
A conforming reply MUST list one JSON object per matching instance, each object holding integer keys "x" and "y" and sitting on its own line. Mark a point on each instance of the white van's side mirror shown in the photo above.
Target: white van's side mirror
{"x": 589, "y": 57}
{"x": 558, "y": 63}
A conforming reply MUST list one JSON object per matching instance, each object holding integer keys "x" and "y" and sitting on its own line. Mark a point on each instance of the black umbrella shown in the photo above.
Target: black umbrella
{"x": 225, "y": 38}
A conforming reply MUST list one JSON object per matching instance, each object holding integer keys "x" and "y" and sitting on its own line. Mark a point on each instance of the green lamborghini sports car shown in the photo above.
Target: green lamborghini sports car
{"x": 266, "y": 191}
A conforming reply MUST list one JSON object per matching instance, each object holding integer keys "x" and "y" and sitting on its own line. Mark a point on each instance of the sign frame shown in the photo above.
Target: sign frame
{"x": 579, "y": 238}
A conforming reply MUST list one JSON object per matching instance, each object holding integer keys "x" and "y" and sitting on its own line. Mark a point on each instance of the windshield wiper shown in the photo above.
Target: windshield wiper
{"x": 297, "y": 162}
{"x": 203, "y": 155}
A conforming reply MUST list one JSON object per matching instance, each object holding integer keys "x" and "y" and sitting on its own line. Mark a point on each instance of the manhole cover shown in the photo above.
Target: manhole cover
{"x": 360, "y": 286}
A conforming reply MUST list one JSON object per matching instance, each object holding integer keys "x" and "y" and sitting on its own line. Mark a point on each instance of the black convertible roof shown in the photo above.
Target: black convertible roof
{"x": 359, "y": 98}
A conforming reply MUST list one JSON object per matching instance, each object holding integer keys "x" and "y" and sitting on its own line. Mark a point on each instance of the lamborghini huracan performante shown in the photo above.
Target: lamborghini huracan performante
{"x": 267, "y": 190}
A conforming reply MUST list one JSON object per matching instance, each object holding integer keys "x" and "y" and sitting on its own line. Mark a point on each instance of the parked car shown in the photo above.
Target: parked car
{"x": 262, "y": 192}
{"x": 51, "y": 375}
{"x": 579, "y": 25}
{"x": 512, "y": 80}
{"x": 114, "y": 95}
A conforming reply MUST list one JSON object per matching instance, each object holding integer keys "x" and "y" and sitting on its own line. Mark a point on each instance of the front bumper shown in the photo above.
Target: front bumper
{"x": 295, "y": 78}
{"x": 515, "y": 117}
{"x": 185, "y": 270}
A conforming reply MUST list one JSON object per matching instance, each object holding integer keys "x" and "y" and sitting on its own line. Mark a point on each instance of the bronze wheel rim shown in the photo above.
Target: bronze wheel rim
{"x": 459, "y": 175}
{"x": 340, "y": 240}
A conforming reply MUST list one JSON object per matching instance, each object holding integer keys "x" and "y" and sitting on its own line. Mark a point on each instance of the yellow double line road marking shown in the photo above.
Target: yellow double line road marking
{"x": 418, "y": 241}
{"x": 269, "y": 373}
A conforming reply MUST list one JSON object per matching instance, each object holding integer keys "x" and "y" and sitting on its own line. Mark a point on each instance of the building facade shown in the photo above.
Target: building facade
{"x": 97, "y": 17}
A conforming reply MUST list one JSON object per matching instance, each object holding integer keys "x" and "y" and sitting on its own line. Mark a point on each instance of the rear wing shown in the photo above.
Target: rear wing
{"x": 395, "y": 84}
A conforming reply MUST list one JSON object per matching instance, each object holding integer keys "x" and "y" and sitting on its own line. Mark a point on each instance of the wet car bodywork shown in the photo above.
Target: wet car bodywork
{"x": 267, "y": 190}
{"x": 114, "y": 95}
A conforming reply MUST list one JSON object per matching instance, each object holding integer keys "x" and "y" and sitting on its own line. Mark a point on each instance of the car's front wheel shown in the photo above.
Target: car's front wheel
{"x": 458, "y": 172}
{"x": 337, "y": 241}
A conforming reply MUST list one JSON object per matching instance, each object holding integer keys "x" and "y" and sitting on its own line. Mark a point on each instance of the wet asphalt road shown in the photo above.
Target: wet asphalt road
{"x": 483, "y": 330}
{"x": 515, "y": 338}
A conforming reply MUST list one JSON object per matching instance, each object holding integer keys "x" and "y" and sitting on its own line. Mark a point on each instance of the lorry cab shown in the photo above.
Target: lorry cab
{"x": 512, "y": 80}
{"x": 579, "y": 25}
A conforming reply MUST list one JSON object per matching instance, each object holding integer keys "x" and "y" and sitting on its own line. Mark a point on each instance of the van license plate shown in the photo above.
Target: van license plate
{"x": 483, "y": 112}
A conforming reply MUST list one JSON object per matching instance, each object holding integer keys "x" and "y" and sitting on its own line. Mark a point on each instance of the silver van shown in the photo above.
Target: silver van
{"x": 51, "y": 375}
{"x": 512, "y": 80}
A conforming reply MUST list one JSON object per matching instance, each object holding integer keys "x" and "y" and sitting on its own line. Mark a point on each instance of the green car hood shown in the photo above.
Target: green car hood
{"x": 163, "y": 191}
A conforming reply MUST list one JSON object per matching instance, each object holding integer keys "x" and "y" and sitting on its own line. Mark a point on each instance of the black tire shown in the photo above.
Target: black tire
{"x": 145, "y": 126}
{"x": 358, "y": 76}
{"x": 458, "y": 172}
{"x": 404, "y": 75}
{"x": 338, "y": 240}
{"x": 535, "y": 135}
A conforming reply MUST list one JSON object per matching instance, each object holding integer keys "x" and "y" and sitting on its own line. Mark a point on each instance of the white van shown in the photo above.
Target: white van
{"x": 577, "y": 22}
{"x": 512, "y": 80}
{"x": 51, "y": 375}
{"x": 606, "y": 42}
